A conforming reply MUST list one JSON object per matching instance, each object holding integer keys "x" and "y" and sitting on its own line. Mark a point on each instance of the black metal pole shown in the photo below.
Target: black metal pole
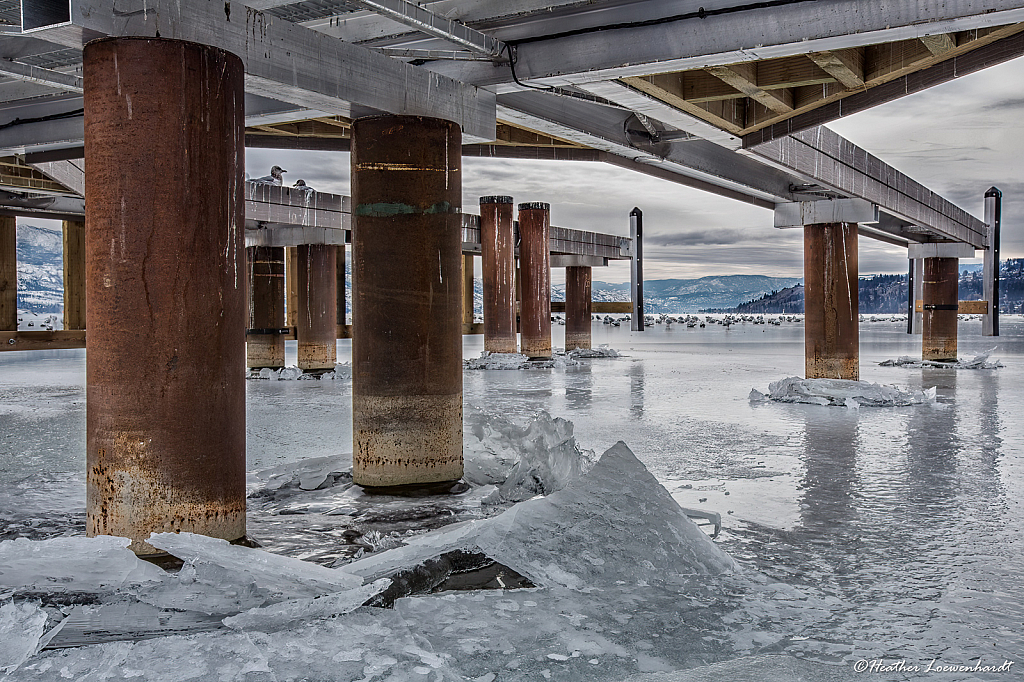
{"x": 636, "y": 233}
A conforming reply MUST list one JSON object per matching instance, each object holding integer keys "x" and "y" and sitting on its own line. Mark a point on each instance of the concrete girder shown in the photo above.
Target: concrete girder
{"x": 283, "y": 60}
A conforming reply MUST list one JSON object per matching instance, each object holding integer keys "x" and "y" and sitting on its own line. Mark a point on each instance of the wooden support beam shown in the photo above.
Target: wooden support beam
{"x": 56, "y": 340}
{"x": 8, "y": 273}
{"x": 963, "y": 307}
{"x": 291, "y": 292}
{"x": 74, "y": 274}
{"x": 790, "y": 72}
{"x": 743, "y": 77}
{"x": 623, "y": 307}
{"x": 940, "y": 43}
{"x": 846, "y": 66}
{"x": 729, "y": 115}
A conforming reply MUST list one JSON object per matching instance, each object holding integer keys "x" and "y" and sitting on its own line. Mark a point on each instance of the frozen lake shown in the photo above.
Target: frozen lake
{"x": 899, "y": 530}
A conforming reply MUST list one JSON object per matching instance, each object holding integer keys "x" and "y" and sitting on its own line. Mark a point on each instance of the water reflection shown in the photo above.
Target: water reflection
{"x": 831, "y": 443}
{"x": 637, "y": 380}
{"x": 579, "y": 387}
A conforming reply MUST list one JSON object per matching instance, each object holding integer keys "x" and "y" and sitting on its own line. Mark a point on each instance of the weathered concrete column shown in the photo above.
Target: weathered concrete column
{"x": 264, "y": 343}
{"x": 74, "y": 274}
{"x": 407, "y": 301}
{"x": 831, "y": 333}
{"x": 535, "y": 254}
{"x": 317, "y": 332}
{"x": 941, "y": 300}
{"x": 165, "y": 268}
{"x": 467, "y": 288}
{"x": 8, "y": 273}
{"x": 577, "y": 307}
{"x": 497, "y": 239}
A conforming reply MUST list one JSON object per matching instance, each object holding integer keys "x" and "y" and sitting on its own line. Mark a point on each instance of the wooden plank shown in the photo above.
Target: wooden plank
{"x": 695, "y": 86}
{"x": 940, "y": 43}
{"x": 988, "y": 49}
{"x": 790, "y": 72}
{"x": 291, "y": 274}
{"x": 727, "y": 115}
{"x": 743, "y": 77}
{"x": 8, "y": 272}
{"x": 605, "y": 307}
{"x": 74, "y": 274}
{"x": 881, "y": 60}
{"x": 846, "y": 66}
{"x": 42, "y": 340}
{"x": 964, "y": 307}
{"x": 476, "y": 328}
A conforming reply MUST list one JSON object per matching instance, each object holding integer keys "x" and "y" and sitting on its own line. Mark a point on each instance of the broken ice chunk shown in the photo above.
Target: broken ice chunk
{"x": 72, "y": 565}
{"x": 283, "y": 577}
{"x": 21, "y": 626}
{"x": 841, "y": 391}
{"x": 286, "y": 614}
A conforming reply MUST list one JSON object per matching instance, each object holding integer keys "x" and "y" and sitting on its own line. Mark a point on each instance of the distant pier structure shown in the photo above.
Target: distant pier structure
{"x": 154, "y": 115}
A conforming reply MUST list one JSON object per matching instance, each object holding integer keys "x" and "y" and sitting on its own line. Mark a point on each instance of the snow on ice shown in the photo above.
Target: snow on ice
{"x": 559, "y": 359}
{"x": 841, "y": 392}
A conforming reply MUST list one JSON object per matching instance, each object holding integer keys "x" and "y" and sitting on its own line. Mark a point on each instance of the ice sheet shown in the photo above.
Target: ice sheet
{"x": 72, "y": 565}
{"x": 342, "y": 370}
{"x": 282, "y": 577}
{"x": 841, "y": 392}
{"x": 288, "y": 613}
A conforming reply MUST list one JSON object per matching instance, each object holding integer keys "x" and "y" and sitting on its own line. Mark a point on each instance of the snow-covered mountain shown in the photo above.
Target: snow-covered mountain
{"x": 40, "y": 270}
{"x": 41, "y": 277}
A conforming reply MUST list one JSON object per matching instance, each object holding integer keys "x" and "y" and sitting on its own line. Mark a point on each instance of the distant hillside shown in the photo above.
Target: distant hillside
{"x": 673, "y": 296}
{"x": 40, "y": 270}
{"x": 887, "y": 294}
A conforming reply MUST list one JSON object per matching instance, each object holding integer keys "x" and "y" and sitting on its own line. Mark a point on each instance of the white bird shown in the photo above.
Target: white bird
{"x": 301, "y": 184}
{"x": 274, "y": 178}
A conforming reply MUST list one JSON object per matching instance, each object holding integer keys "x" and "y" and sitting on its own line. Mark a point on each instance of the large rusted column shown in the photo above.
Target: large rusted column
{"x": 264, "y": 343}
{"x": 8, "y": 273}
{"x": 317, "y": 332}
{"x": 165, "y": 268}
{"x": 831, "y": 335}
{"x": 535, "y": 254}
{"x": 74, "y": 274}
{"x": 941, "y": 294}
{"x": 498, "y": 264}
{"x": 577, "y": 307}
{"x": 407, "y": 301}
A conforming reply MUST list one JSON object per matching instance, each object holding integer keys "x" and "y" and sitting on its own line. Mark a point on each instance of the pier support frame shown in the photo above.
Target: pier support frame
{"x": 831, "y": 332}
{"x": 166, "y": 290}
{"x": 498, "y": 271}
{"x": 535, "y": 257}
{"x": 941, "y": 302}
{"x": 577, "y": 307}
{"x": 74, "y": 274}
{"x": 407, "y": 303}
{"x": 8, "y": 273}
{"x": 317, "y": 331}
{"x": 264, "y": 341}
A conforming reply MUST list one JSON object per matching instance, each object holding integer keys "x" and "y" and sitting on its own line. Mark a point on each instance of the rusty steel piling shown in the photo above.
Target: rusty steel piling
{"x": 577, "y": 307}
{"x": 535, "y": 257}
{"x": 941, "y": 294}
{"x": 831, "y": 308}
{"x": 166, "y": 283}
{"x": 407, "y": 301}
{"x": 498, "y": 262}
{"x": 317, "y": 331}
{"x": 264, "y": 340}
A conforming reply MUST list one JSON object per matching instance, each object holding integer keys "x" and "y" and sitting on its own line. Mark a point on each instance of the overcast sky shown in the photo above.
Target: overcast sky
{"x": 958, "y": 139}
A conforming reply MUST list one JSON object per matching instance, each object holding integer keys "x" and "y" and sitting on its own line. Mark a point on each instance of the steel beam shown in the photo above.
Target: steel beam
{"x": 990, "y": 279}
{"x": 283, "y": 61}
{"x": 425, "y": 21}
{"x": 723, "y": 32}
{"x": 47, "y": 77}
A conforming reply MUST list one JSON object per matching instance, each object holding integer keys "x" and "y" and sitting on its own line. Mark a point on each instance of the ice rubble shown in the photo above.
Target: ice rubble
{"x": 342, "y": 370}
{"x": 538, "y": 458}
{"x": 841, "y": 392}
{"x": 559, "y": 358}
{"x": 21, "y": 626}
{"x": 980, "y": 361}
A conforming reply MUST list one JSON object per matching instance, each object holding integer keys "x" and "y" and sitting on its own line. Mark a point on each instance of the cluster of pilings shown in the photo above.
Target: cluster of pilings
{"x": 169, "y": 282}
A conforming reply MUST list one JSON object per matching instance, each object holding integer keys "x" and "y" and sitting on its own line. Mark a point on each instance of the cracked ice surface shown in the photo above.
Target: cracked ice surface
{"x": 980, "y": 361}
{"x": 841, "y": 392}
